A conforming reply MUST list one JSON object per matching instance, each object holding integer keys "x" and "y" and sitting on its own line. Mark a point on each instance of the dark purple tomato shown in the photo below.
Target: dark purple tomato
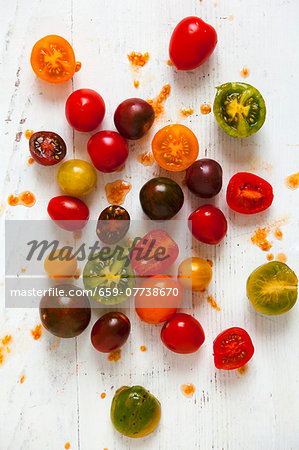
{"x": 47, "y": 148}
{"x": 204, "y": 178}
{"x": 161, "y": 198}
{"x": 113, "y": 224}
{"x": 133, "y": 118}
{"x": 110, "y": 332}
{"x": 65, "y": 311}
{"x": 69, "y": 213}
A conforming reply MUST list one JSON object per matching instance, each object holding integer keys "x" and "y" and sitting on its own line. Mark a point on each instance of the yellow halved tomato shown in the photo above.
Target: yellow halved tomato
{"x": 175, "y": 147}
{"x": 53, "y": 59}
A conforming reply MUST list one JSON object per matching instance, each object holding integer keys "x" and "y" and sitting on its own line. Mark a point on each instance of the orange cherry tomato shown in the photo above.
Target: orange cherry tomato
{"x": 158, "y": 299}
{"x": 53, "y": 59}
{"x": 175, "y": 147}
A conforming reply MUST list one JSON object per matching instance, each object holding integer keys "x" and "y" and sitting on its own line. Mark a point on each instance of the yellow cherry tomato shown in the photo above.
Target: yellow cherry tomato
{"x": 77, "y": 177}
{"x": 195, "y": 274}
{"x": 61, "y": 265}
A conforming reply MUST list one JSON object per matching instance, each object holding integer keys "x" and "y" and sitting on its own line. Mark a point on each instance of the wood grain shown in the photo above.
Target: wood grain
{"x": 59, "y": 400}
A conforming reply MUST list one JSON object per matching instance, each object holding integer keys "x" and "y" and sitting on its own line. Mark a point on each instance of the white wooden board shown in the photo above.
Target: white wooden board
{"x": 59, "y": 400}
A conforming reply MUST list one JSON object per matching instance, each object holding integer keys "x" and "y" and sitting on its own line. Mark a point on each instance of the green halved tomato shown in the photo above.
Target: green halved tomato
{"x": 239, "y": 109}
{"x": 272, "y": 288}
{"x": 135, "y": 412}
{"x": 109, "y": 280}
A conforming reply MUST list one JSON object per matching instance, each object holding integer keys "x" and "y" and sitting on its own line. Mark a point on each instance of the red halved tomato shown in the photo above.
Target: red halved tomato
{"x": 232, "y": 348}
{"x": 53, "y": 59}
{"x": 154, "y": 253}
{"x": 248, "y": 194}
{"x": 158, "y": 299}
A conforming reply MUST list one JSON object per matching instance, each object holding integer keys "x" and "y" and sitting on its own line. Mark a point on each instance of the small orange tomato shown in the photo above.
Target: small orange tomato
{"x": 195, "y": 274}
{"x": 158, "y": 299}
{"x": 53, "y": 59}
{"x": 175, "y": 147}
{"x": 60, "y": 265}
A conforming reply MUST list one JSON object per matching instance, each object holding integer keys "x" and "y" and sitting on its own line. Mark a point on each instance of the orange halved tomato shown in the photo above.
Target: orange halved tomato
{"x": 175, "y": 147}
{"x": 53, "y": 59}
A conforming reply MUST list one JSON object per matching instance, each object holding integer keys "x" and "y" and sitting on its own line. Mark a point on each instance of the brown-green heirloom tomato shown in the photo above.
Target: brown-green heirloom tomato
{"x": 76, "y": 177}
{"x": 135, "y": 412}
{"x": 272, "y": 288}
{"x": 239, "y": 109}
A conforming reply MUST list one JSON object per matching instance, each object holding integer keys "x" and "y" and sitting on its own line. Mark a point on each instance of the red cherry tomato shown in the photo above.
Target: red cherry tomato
{"x": 85, "y": 110}
{"x": 208, "y": 224}
{"x": 182, "y": 334}
{"x": 70, "y": 213}
{"x": 248, "y": 194}
{"x": 158, "y": 299}
{"x": 154, "y": 253}
{"x": 108, "y": 150}
{"x": 191, "y": 43}
{"x": 232, "y": 348}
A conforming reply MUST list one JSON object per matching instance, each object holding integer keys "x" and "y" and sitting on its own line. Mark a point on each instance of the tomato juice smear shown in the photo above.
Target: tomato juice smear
{"x": 260, "y": 236}
{"x": 115, "y": 355}
{"x": 143, "y": 348}
{"x": 146, "y": 158}
{"x": 213, "y": 303}
{"x": 157, "y": 102}
{"x": 187, "y": 112}
{"x": 245, "y": 72}
{"x": 205, "y": 108}
{"x": 4, "y": 347}
{"x": 25, "y": 198}
{"x": 281, "y": 257}
{"x": 292, "y": 181}
{"x": 37, "y": 332}
{"x": 188, "y": 389}
{"x": 242, "y": 370}
{"x": 138, "y": 59}
{"x": 28, "y": 134}
{"x": 116, "y": 191}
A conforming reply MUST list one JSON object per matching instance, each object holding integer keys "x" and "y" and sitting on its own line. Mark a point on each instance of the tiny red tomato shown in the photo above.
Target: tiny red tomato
{"x": 70, "y": 213}
{"x": 108, "y": 151}
{"x": 182, "y": 333}
{"x": 158, "y": 299}
{"x": 85, "y": 110}
{"x": 110, "y": 332}
{"x": 232, "y": 348}
{"x": 248, "y": 194}
{"x": 208, "y": 224}
{"x": 154, "y": 253}
{"x": 191, "y": 43}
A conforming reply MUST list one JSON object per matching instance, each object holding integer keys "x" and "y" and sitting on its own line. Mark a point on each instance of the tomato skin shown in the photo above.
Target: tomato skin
{"x": 108, "y": 151}
{"x": 76, "y": 177}
{"x": 110, "y": 332}
{"x": 182, "y": 333}
{"x": 69, "y": 213}
{"x": 133, "y": 118}
{"x": 154, "y": 264}
{"x": 53, "y": 60}
{"x": 155, "y": 309}
{"x": 47, "y": 148}
{"x": 208, "y": 224}
{"x": 65, "y": 316}
{"x": 85, "y": 110}
{"x": 191, "y": 43}
{"x": 195, "y": 274}
{"x": 249, "y": 194}
{"x": 232, "y": 348}
{"x": 161, "y": 198}
{"x": 175, "y": 147}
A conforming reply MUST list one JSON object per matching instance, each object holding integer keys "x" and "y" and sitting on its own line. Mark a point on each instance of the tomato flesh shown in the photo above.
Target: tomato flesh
{"x": 47, "y": 148}
{"x": 249, "y": 194}
{"x": 239, "y": 109}
{"x": 232, "y": 349}
{"x": 53, "y": 59}
{"x": 175, "y": 147}
{"x": 191, "y": 43}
